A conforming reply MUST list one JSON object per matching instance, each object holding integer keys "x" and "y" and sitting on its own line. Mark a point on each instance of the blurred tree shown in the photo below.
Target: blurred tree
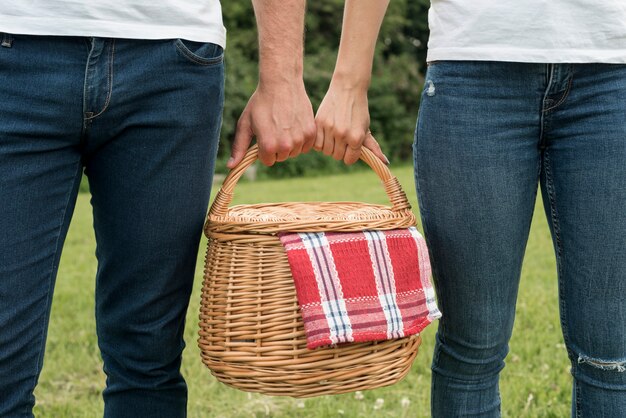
{"x": 396, "y": 81}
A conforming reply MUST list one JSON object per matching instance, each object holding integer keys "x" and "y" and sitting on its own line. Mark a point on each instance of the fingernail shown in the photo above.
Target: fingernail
{"x": 230, "y": 161}
{"x": 386, "y": 159}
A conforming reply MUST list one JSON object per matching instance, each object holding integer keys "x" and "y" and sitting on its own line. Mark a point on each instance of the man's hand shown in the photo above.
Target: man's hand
{"x": 281, "y": 119}
{"x": 279, "y": 112}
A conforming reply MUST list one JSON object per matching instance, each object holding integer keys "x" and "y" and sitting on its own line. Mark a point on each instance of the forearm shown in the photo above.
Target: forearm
{"x": 361, "y": 23}
{"x": 281, "y": 27}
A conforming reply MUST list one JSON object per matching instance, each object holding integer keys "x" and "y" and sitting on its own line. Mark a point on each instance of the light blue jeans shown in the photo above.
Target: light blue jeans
{"x": 488, "y": 133}
{"x": 142, "y": 118}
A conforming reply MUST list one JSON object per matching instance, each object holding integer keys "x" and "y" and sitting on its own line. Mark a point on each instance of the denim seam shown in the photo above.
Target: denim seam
{"x": 560, "y": 102}
{"x": 49, "y": 293}
{"x": 422, "y": 213}
{"x": 537, "y": 179}
{"x": 109, "y": 82}
{"x": 577, "y": 396}
{"x": 86, "y": 88}
{"x": 559, "y": 251}
{"x": 557, "y": 237}
{"x": 543, "y": 122}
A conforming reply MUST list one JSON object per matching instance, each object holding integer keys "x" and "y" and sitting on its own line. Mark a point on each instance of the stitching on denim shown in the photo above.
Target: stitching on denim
{"x": 196, "y": 59}
{"x": 538, "y": 176}
{"x": 109, "y": 83}
{"x": 543, "y": 122}
{"x": 423, "y": 217}
{"x": 558, "y": 243}
{"x": 49, "y": 293}
{"x": 562, "y": 99}
{"x": 86, "y": 88}
{"x": 577, "y": 396}
{"x": 558, "y": 253}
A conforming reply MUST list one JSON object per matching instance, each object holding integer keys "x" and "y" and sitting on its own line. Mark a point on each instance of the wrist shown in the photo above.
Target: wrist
{"x": 281, "y": 85}
{"x": 349, "y": 79}
{"x": 280, "y": 80}
{"x": 281, "y": 75}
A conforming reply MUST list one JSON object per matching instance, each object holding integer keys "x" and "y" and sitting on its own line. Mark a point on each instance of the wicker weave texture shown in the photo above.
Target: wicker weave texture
{"x": 251, "y": 331}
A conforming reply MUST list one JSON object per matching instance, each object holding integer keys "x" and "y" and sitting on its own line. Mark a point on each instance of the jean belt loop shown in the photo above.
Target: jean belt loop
{"x": 7, "y": 40}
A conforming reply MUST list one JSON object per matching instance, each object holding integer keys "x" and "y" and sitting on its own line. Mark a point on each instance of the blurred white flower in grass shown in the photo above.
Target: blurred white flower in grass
{"x": 405, "y": 402}
{"x": 529, "y": 401}
{"x": 358, "y": 395}
{"x": 260, "y": 405}
{"x": 340, "y": 411}
{"x": 300, "y": 405}
{"x": 379, "y": 403}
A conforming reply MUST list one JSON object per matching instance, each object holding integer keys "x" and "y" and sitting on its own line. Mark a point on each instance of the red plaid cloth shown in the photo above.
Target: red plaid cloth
{"x": 361, "y": 286}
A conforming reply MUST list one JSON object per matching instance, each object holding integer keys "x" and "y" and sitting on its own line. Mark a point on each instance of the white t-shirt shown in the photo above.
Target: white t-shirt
{"x": 194, "y": 20}
{"x": 545, "y": 31}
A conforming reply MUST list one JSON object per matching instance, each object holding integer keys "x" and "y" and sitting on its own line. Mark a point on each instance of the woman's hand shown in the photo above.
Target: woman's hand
{"x": 343, "y": 117}
{"x": 343, "y": 121}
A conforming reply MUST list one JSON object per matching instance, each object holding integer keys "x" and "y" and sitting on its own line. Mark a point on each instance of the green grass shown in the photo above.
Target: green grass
{"x": 535, "y": 383}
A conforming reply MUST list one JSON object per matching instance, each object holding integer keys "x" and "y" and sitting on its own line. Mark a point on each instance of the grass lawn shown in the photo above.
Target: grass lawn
{"x": 535, "y": 383}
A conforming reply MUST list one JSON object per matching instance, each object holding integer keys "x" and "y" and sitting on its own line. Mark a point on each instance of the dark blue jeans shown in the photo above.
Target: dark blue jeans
{"x": 142, "y": 119}
{"x": 488, "y": 134}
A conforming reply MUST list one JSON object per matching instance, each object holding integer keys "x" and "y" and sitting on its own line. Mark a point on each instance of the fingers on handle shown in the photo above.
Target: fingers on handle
{"x": 267, "y": 151}
{"x": 371, "y": 144}
{"x": 243, "y": 137}
{"x": 354, "y": 140}
{"x": 296, "y": 146}
{"x": 310, "y": 138}
{"x": 319, "y": 139}
{"x": 352, "y": 155}
{"x": 329, "y": 142}
{"x": 339, "y": 151}
{"x": 323, "y": 141}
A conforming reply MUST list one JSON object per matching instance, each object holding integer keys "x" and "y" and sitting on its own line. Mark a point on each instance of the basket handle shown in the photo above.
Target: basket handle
{"x": 394, "y": 191}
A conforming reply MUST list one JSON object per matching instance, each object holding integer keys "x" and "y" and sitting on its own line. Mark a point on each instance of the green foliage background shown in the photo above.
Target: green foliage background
{"x": 396, "y": 83}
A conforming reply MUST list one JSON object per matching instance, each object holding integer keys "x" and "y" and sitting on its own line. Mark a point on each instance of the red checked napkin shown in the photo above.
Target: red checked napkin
{"x": 361, "y": 286}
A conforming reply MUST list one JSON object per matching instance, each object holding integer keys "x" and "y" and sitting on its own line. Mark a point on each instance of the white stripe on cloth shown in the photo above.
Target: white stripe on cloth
{"x": 329, "y": 286}
{"x": 425, "y": 272}
{"x": 385, "y": 282}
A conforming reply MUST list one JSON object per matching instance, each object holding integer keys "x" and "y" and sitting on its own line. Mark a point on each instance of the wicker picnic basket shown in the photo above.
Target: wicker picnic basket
{"x": 251, "y": 331}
